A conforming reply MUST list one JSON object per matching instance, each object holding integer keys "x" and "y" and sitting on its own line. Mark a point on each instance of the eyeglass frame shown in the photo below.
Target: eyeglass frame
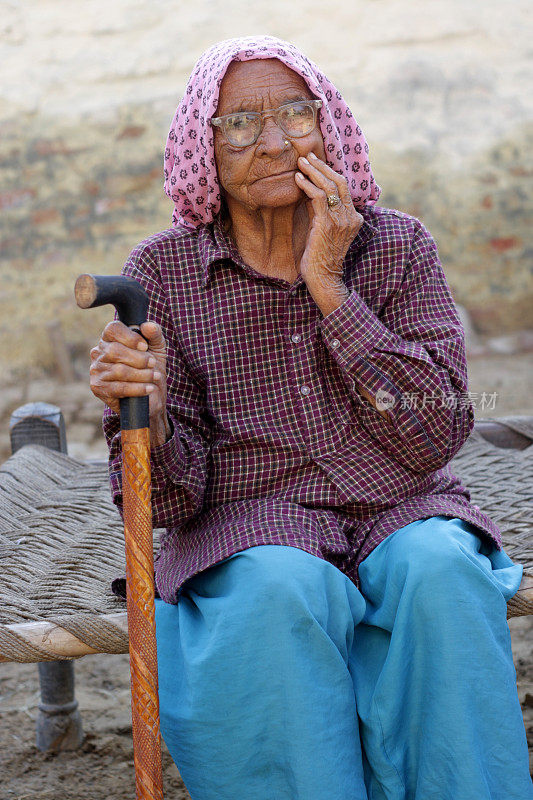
{"x": 218, "y": 122}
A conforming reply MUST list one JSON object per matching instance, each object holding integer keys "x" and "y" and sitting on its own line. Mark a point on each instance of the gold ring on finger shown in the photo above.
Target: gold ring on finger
{"x": 333, "y": 200}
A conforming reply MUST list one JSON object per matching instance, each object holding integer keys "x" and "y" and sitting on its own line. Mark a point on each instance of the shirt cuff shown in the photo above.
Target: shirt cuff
{"x": 167, "y": 459}
{"x": 353, "y": 330}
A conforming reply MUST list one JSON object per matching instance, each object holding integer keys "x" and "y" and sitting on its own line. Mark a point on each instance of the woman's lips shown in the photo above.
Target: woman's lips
{"x": 275, "y": 175}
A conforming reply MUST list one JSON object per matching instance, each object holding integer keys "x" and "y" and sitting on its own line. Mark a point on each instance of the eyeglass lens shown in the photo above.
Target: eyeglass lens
{"x": 295, "y": 119}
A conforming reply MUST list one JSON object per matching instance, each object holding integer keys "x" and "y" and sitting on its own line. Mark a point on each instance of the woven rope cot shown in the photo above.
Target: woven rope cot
{"x": 61, "y": 544}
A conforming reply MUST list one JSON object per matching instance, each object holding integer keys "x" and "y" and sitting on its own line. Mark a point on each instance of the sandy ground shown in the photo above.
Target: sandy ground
{"x": 103, "y": 768}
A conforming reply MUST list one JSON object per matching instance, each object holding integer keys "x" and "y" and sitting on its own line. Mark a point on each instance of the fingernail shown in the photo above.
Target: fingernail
{"x": 142, "y": 346}
{"x": 299, "y": 175}
{"x": 302, "y": 158}
{"x": 151, "y": 362}
{"x": 149, "y": 388}
{"x": 312, "y": 155}
{"x": 157, "y": 376}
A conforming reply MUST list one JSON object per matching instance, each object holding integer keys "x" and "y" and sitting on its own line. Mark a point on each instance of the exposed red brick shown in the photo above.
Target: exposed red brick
{"x": 105, "y": 229}
{"x": 77, "y": 234}
{"x": 43, "y": 215}
{"x": 504, "y": 243}
{"x": 55, "y": 147}
{"x": 10, "y": 244}
{"x": 13, "y": 198}
{"x": 497, "y": 316}
{"x": 123, "y": 184}
{"x": 91, "y": 187}
{"x": 484, "y": 316}
{"x": 131, "y": 132}
{"x": 488, "y": 179}
{"x": 22, "y": 264}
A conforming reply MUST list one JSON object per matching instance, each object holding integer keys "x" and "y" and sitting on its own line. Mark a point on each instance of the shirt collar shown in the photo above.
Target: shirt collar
{"x": 216, "y": 245}
{"x": 367, "y": 231}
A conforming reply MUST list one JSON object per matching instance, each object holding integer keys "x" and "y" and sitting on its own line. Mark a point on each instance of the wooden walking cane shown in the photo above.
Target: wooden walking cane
{"x": 131, "y": 303}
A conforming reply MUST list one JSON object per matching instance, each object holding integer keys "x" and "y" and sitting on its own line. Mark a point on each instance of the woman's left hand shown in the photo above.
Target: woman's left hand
{"x": 332, "y": 228}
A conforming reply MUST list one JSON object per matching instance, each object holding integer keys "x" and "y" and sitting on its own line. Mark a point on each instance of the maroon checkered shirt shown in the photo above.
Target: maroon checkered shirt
{"x": 272, "y": 440}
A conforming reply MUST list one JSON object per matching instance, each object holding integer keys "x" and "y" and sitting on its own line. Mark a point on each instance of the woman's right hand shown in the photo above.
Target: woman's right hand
{"x": 123, "y": 364}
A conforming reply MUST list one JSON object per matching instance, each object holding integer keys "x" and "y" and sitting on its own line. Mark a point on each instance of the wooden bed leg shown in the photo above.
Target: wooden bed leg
{"x": 59, "y": 725}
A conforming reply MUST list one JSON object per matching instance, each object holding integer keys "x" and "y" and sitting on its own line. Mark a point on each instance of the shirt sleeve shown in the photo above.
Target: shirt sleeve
{"x": 411, "y": 360}
{"x": 179, "y": 465}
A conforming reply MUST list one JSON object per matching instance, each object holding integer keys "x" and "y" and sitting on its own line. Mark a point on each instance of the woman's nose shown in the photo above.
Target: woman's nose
{"x": 271, "y": 140}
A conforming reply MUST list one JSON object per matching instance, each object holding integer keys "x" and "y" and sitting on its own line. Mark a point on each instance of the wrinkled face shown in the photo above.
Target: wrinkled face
{"x": 262, "y": 174}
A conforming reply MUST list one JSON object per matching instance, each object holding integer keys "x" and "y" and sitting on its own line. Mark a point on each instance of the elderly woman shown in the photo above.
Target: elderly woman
{"x": 332, "y": 622}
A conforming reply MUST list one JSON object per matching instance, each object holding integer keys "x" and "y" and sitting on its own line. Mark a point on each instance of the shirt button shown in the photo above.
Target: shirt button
{"x": 335, "y": 343}
{"x": 305, "y": 389}
{"x": 296, "y": 338}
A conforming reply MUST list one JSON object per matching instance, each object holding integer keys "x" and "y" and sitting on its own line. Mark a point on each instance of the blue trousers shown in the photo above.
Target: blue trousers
{"x": 280, "y": 680}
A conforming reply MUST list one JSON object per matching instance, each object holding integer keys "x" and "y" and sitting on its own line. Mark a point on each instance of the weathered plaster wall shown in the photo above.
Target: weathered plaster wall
{"x": 88, "y": 89}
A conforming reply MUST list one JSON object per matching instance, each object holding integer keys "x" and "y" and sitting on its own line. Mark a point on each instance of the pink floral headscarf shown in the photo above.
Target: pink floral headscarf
{"x": 191, "y": 179}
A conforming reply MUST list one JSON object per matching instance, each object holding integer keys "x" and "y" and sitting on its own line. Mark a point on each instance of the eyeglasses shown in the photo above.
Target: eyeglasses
{"x": 243, "y": 128}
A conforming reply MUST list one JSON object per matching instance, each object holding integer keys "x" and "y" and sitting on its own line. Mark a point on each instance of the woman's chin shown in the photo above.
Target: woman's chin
{"x": 279, "y": 196}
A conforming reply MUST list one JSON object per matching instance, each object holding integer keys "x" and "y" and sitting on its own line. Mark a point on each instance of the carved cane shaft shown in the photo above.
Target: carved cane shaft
{"x": 141, "y": 613}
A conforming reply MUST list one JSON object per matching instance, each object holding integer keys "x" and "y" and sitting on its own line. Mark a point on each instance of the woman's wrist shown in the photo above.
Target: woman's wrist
{"x": 329, "y": 298}
{"x": 160, "y": 430}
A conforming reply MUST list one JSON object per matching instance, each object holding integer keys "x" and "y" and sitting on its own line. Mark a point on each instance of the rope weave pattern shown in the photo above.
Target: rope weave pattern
{"x": 62, "y": 542}
{"x": 500, "y": 483}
